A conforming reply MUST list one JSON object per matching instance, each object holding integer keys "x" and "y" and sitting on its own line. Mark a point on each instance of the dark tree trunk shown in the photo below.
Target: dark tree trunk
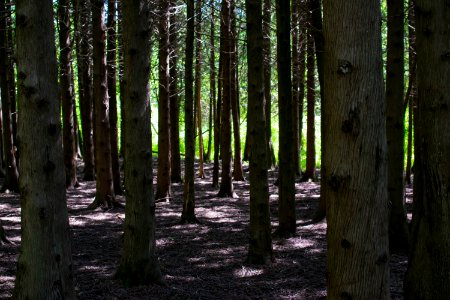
{"x": 164, "y": 158}
{"x": 11, "y": 75}
{"x": 139, "y": 264}
{"x": 104, "y": 180}
{"x": 44, "y": 268}
{"x": 295, "y": 32}
{"x": 198, "y": 86}
{"x": 3, "y": 237}
{"x": 260, "y": 247}
{"x": 428, "y": 274}
{"x": 11, "y": 173}
{"x": 226, "y": 185}
{"x": 286, "y": 209}
{"x": 310, "y": 171}
{"x": 111, "y": 70}
{"x": 67, "y": 94}
{"x": 83, "y": 28}
{"x": 174, "y": 99}
{"x": 212, "y": 82}
{"x": 356, "y": 193}
{"x": 217, "y": 118}
{"x": 398, "y": 227}
{"x": 188, "y": 213}
{"x": 121, "y": 83}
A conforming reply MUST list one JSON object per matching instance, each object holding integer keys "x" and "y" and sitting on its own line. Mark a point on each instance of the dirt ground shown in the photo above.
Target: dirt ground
{"x": 202, "y": 261}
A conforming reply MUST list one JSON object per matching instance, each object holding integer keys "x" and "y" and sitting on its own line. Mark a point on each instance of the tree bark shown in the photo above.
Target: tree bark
{"x": 11, "y": 173}
{"x": 83, "y": 28}
{"x": 44, "y": 269}
{"x": 139, "y": 264}
{"x": 104, "y": 180}
{"x": 295, "y": 32}
{"x": 226, "y": 184}
{"x": 286, "y": 189}
{"x": 428, "y": 274}
{"x": 260, "y": 248}
{"x": 188, "y": 213}
{"x": 111, "y": 71}
{"x": 218, "y": 116}
{"x": 354, "y": 112}
{"x": 398, "y": 227}
{"x": 164, "y": 157}
{"x": 212, "y": 81}
{"x": 67, "y": 94}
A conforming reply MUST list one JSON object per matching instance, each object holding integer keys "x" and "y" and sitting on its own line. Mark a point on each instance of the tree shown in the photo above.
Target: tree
{"x": 139, "y": 264}
{"x": 67, "y": 94}
{"x": 44, "y": 269}
{"x": 175, "y": 155}
{"x": 11, "y": 173}
{"x": 295, "y": 32}
{"x": 111, "y": 71}
{"x": 356, "y": 193}
{"x": 226, "y": 185}
{"x": 104, "y": 195}
{"x": 3, "y": 237}
{"x": 212, "y": 80}
{"x": 260, "y": 248}
{"x": 428, "y": 274}
{"x": 286, "y": 189}
{"x": 83, "y": 28}
{"x": 398, "y": 227}
{"x": 164, "y": 158}
{"x": 188, "y": 213}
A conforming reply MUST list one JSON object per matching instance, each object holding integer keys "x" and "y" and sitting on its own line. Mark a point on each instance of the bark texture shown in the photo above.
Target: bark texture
{"x": 44, "y": 269}
{"x": 356, "y": 193}
{"x": 139, "y": 264}
{"x": 260, "y": 248}
{"x": 428, "y": 274}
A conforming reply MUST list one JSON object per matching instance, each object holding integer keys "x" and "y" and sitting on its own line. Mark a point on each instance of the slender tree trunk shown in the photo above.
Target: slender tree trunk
{"x": 188, "y": 213}
{"x": 260, "y": 248}
{"x": 139, "y": 264}
{"x": 356, "y": 193}
{"x": 121, "y": 83}
{"x": 428, "y": 274}
{"x": 67, "y": 94}
{"x": 212, "y": 82}
{"x": 398, "y": 227}
{"x": 104, "y": 180}
{"x": 226, "y": 184}
{"x": 111, "y": 70}
{"x": 11, "y": 173}
{"x": 11, "y": 74}
{"x": 3, "y": 237}
{"x": 164, "y": 158}
{"x": 310, "y": 171}
{"x": 296, "y": 84}
{"x": 175, "y": 168}
{"x": 286, "y": 190}
{"x": 217, "y": 118}
{"x": 44, "y": 268}
{"x": 198, "y": 86}
{"x": 84, "y": 63}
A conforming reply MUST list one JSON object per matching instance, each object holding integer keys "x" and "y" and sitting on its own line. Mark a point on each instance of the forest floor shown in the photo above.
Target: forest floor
{"x": 201, "y": 261}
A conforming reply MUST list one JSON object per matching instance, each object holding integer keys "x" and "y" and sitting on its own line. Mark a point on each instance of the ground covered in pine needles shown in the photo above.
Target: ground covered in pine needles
{"x": 201, "y": 261}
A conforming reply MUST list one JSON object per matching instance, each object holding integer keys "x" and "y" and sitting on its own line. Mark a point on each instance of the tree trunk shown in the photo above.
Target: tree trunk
{"x": 11, "y": 173}
{"x": 44, "y": 268}
{"x": 111, "y": 71}
{"x": 217, "y": 117}
{"x": 3, "y": 237}
{"x": 67, "y": 94}
{"x": 104, "y": 180}
{"x": 212, "y": 82}
{"x": 226, "y": 185}
{"x": 260, "y": 247}
{"x": 11, "y": 74}
{"x": 188, "y": 213}
{"x": 238, "y": 173}
{"x": 398, "y": 227}
{"x": 286, "y": 189}
{"x": 198, "y": 86}
{"x": 428, "y": 274}
{"x": 121, "y": 83}
{"x": 295, "y": 32}
{"x": 164, "y": 158}
{"x": 139, "y": 264}
{"x": 175, "y": 168}
{"x": 82, "y": 34}
{"x": 356, "y": 193}
{"x": 310, "y": 171}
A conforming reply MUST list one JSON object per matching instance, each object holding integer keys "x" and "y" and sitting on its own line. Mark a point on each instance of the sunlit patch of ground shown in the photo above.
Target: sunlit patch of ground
{"x": 198, "y": 261}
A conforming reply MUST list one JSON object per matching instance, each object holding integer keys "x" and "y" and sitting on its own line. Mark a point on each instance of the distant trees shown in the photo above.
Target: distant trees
{"x": 356, "y": 193}
{"x": 44, "y": 269}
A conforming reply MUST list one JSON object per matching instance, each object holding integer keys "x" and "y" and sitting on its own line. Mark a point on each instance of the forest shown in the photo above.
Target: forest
{"x": 225, "y": 149}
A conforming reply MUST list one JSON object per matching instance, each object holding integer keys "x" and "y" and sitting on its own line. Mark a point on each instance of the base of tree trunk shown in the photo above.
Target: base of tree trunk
{"x": 227, "y": 194}
{"x": 9, "y": 187}
{"x": 142, "y": 274}
{"x": 176, "y": 178}
{"x": 88, "y": 177}
{"x": 105, "y": 203}
{"x": 284, "y": 233}
{"x": 189, "y": 220}
{"x": 3, "y": 238}
{"x": 254, "y": 259}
